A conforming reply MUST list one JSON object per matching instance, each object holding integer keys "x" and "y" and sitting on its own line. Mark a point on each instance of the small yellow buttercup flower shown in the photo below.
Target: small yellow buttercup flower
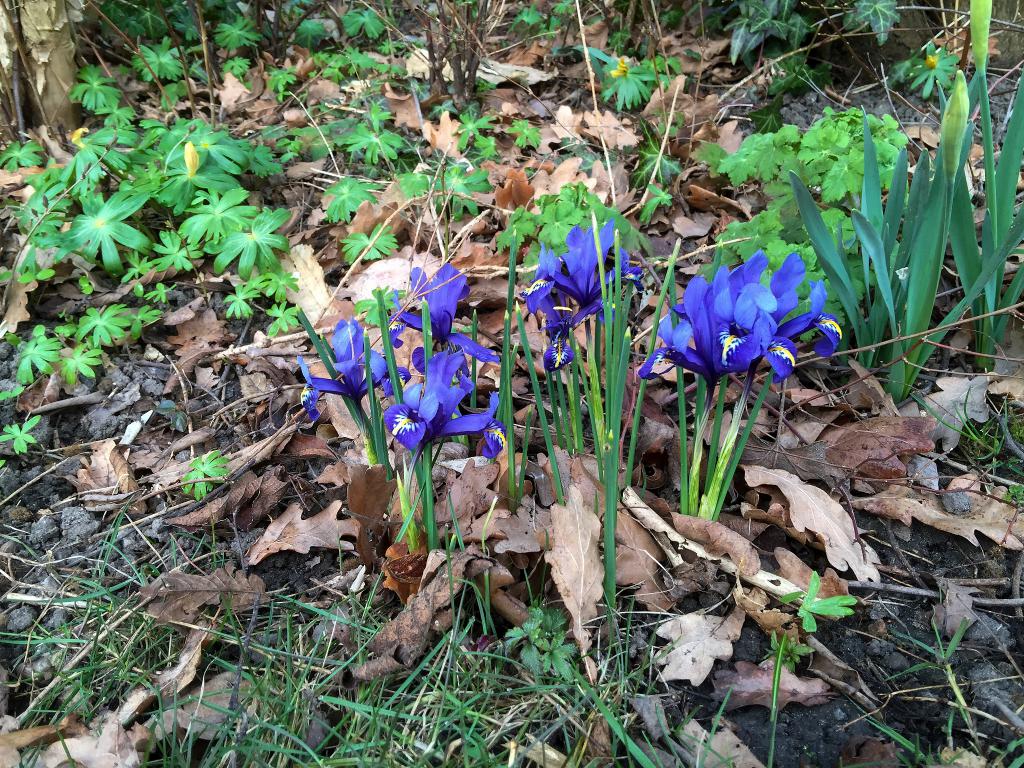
{"x": 931, "y": 60}
{"x": 622, "y": 69}
{"x": 76, "y": 136}
{"x": 191, "y": 159}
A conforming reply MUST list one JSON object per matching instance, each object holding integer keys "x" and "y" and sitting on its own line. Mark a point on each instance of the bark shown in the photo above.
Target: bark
{"x": 37, "y": 59}
{"x": 1010, "y": 40}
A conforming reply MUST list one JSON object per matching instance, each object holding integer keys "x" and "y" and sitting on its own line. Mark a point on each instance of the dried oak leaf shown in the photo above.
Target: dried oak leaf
{"x": 722, "y": 749}
{"x": 751, "y": 685}
{"x": 698, "y": 640}
{"x": 404, "y": 639}
{"x": 167, "y": 684}
{"x": 443, "y": 137}
{"x": 812, "y": 509}
{"x": 177, "y": 597}
{"x": 207, "y": 705}
{"x": 515, "y": 192}
{"x": 312, "y": 295}
{"x": 575, "y": 560}
{"x": 720, "y": 540}
{"x": 107, "y": 746}
{"x": 956, "y": 399}
{"x": 638, "y": 561}
{"x": 872, "y": 448}
{"x": 369, "y": 495}
{"x": 290, "y": 532}
{"x": 996, "y": 520}
{"x": 957, "y": 606}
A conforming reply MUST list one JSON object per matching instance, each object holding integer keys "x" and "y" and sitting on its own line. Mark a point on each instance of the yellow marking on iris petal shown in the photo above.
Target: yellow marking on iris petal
{"x": 832, "y": 325}
{"x": 778, "y": 349}
{"x": 498, "y": 435}
{"x": 729, "y": 343}
{"x": 76, "y": 137}
{"x": 535, "y": 286}
{"x": 403, "y": 423}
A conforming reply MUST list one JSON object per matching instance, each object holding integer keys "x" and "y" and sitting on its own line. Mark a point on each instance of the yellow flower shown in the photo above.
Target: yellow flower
{"x": 76, "y": 136}
{"x": 622, "y": 69}
{"x": 931, "y": 60}
{"x": 191, "y": 159}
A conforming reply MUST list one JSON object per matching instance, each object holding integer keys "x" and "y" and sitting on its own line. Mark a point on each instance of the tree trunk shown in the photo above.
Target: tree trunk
{"x": 1010, "y": 41}
{"x": 37, "y": 63}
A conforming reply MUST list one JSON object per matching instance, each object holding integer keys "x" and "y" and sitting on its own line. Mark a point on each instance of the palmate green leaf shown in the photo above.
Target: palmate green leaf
{"x": 18, "y": 435}
{"x": 658, "y": 198}
{"x": 161, "y": 60}
{"x": 255, "y": 247}
{"x": 217, "y": 216}
{"x": 21, "y": 156}
{"x": 461, "y": 186}
{"x": 376, "y": 245}
{"x": 348, "y": 194}
{"x": 80, "y": 360}
{"x": 364, "y": 21}
{"x": 206, "y": 472}
{"x": 172, "y": 253}
{"x": 37, "y": 355}
{"x": 373, "y": 146}
{"x": 237, "y": 33}
{"x": 106, "y": 326}
{"x": 94, "y": 90}
{"x": 101, "y": 228}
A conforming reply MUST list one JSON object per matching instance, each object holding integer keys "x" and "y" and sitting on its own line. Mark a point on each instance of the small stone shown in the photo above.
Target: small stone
{"x": 21, "y": 618}
{"x": 924, "y": 471}
{"x": 897, "y": 662}
{"x": 77, "y": 523}
{"x": 43, "y": 529}
{"x": 990, "y": 631}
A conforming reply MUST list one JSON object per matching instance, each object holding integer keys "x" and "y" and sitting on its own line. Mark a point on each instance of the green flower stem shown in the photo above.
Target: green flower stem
{"x": 535, "y": 384}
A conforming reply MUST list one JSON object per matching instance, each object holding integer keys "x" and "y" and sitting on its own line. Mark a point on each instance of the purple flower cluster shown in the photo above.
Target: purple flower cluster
{"x": 731, "y": 323}
{"x": 429, "y": 410}
{"x": 566, "y": 288}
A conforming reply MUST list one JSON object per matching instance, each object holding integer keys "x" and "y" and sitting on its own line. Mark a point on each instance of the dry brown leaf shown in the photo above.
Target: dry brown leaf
{"x": 16, "y": 308}
{"x": 567, "y": 172}
{"x": 751, "y": 685}
{"x": 313, "y": 296}
{"x": 575, "y": 560}
{"x": 1008, "y": 378}
{"x": 404, "y": 639}
{"x": 872, "y": 448}
{"x": 771, "y": 620}
{"x": 720, "y": 540}
{"x": 37, "y": 735}
{"x": 106, "y": 746}
{"x": 177, "y": 597}
{"x": 812, "y": 509}
{"x": 724, "y": 749}
{"x": 170, "y": 682}
{"x": 291, "y": 533}
{"x": 443, "y": 137}
{"x": 996, "y": 520}
{"x": 515, "y": 192}
{"x": 697, "y": 641}
{"x": 232, "y": 93}
{"x": 957, "y": 606}
{"x": 957, "y": 398}
{"x": 616, "y": 134}
{"x": 403, "y": 107}
{"x": 207, "y": 706}
{"x": 638, "y": 561}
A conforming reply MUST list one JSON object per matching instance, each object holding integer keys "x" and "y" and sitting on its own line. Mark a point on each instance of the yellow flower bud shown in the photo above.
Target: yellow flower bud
{"x": 954, "y": 124}
{"x": 622, "y": 69}
{"x": 981, "y": 19}
{"x": 76, "y": 136}
{"x": 931, "y": 60}
{"x": 191, "y": 159}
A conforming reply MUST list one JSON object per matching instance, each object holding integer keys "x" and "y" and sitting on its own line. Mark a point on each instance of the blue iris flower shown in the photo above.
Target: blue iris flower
{"x": 566, "y": 288}
{"x": 730, "y": 324}
{"x": 350, "y": 363}
{"x": 442, "y": 294}
{"x": 429, "y": 410}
